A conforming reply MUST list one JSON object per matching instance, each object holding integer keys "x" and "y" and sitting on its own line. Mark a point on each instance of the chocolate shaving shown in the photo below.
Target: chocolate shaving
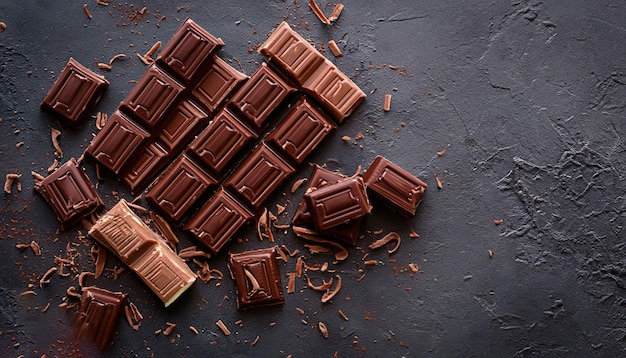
{"x": 299, "y": 264}
{"x": 311, "y": 235}
{"x": 35, "y": 247}
{"x": 323, "y": 329}
{"x": 282, "y": 254}
{"x": 334, "y": 48}
{"x": 133, "y": 316}
{"x": 439, "y": 181}
{"x": 108, "y": 66}
{"x": 297, "y": 184}
{"x": 164, "y": 229}
{"x": 45, "y": 279}
{"x": 392, "y": 236}
{"x": 169, "y": 329}
{"x": 191, "y": 252}
{"x": 291, "y": 286}
{"x": 38, "y": 180}
{"x": 318, "y": 12}
{"x": 343, "y": 315}
{"x": 72, "y": 292}
{"x": 81, "y": 278}
{"x": 100, "y": 261}
{"x": 442, "y": 152}
{"x": 387, "y": 105}
{"x": 413, "y": 234}
{"x": 3, "y": 26}
{"x": 325, "y": 286}
{"x": 330, "y": 294}
{"x": 194, "y": 330}
{"x": 43, "y": 310}
{"x": 53, "y": 166}
{"x": 28, "y": 293}
{"x": 255, "y": 341}
{"x": 223, "y": 327}
{"x": 8, "y": 184}
{"x": 55, "y": 133}
{"x": 87, "y": 12}
{"x": 336, "y": 12}
{"x": 153, "y": 49}
{"x": 253, "y": 281}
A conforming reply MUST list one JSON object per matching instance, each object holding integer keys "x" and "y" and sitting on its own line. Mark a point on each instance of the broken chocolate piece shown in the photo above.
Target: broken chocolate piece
{"x": 98, "y": 315}
{"x": 338, "y": 203}
{"x": 257, "y": 278}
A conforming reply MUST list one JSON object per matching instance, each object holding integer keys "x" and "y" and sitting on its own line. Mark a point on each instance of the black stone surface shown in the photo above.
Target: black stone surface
{"x": 528, "y": 97}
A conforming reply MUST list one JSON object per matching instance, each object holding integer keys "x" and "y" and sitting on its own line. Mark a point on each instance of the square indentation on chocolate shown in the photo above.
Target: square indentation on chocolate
{"x": 259, "y": 175}
{"x": 70, "y": 193}
{"x": 221, "y": 140}
{"x": 98, "y": 315}
{"x": 218, "y": 220}
{"x": 152, "y": 96}
{"x": 218, "y": 84}
{"x": 144, "y": 167}
{"x": 395, "y": 185}
{"x": 178, "y": 188}
{"x": 257, "y": 278}
{"x": 188, "y": 49}
{"x": 261, "y": 94}
{"x": 117, "y": 142}
{"x": 301, "y": 131}
{"x": 75, "y": 93}
{"x": 180, "y": 124}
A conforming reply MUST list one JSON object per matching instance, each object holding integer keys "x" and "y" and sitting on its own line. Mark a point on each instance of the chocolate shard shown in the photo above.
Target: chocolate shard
{"x": 188, "y": 49}
{"x": 148, "y": 255}
{"x": 257, "y": 278}
{"x": 98, "y": 315}
{"x": 301, "y": 131}
{"x": 75, "y": 93}
{"x": 70, "y": 193}
{"x": 395, "y": 185}
{"x": 338, "y": 203}
{"x": 218, "y": 84}
{"x": 218, "y": 220}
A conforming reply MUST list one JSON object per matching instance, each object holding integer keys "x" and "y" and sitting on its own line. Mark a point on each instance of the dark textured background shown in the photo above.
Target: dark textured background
{"x": 528, "y": 95}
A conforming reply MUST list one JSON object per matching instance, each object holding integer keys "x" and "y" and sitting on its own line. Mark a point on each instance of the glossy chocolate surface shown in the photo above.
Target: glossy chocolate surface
{"x": 70, "y": 193}
{"x": 75, "y": 93}
{"x": 144, "y": 167}
{"x": 98, "y": 315}
{"x": 218, "y": 220}
{"x": 218, "y": 84}
{"x": 257, "y": 278}
{"x": 181, "y": 124}
{"x": 338, "y": 203}
{"x": 147, "y": 254}
{"x": 394, "y": 184}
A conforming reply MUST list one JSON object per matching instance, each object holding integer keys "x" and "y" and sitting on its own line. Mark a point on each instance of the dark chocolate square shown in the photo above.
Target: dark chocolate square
{"x": 144, "y": 167}
{"x": 257, "y": 278}
{"x": 98, "y": 315}
{"x": 218, "y": 84}
{"x": 338, "y": 203}
{"x": 180, "y": 125}
{"x": 75, "y": 93}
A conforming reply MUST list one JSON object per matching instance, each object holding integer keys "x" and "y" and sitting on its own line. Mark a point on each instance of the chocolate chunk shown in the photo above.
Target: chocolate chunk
{"x": 122, "y": 231}
{"x": 178, "y": 188}
{"x": 395, "y": 185}
{"x": 218, "y": 220}
{"x": 144, "y": 167}
{"x": 338, "y": 203}
{"x": 260, "y": 95}
{"x": 180, "y": 126}
{"x": 218, "y": 84}
{"x": 259, "y": 175}
{"x": 301, "y": 131}
{"x": 188, "y": 49}
{"x": 70, "y": 193}
{"x": 221, "y": 140}
{"x": 152, "y": 96}
{"x": 117, "y": 142}
{"x": 257, "y": 278}
{"x": 75, "y": 93}
{"x": 98, "y": 315}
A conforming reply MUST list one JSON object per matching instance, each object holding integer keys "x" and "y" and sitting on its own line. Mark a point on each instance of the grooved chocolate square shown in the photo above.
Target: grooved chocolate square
{"x": 178, "y": 188}
{"x": 116, "y": 142}
{"x": 180, "y": 125}
{"x": 152, "y": 96}
{"x": 301, "y": 131}
{"x": 145, "y": 166}
{"x": 259, "y": 175}
{"x": 257, "y": 278}
{"x": 338, "y": 203}
{"x": 98, "y": 315}
{"x": 70, "y": 193}
{"x": 220, "y": 141}
{"x": 188, "y": 49}
{"x": 75, "y": 93}
{"x": 218, "y": 84}
{"x": 218, "y": 220}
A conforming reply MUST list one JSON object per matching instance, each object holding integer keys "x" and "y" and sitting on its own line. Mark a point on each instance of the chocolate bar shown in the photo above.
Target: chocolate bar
{"x": 122, "y": 232}
{"x": 395, "y": 185}
{"x": 75, "y": 93}
{"x": 98, "y": 315}
{"x": 70, "y": 193}
{"x": 257, "y": 278}
{"x": 338, "y": 203}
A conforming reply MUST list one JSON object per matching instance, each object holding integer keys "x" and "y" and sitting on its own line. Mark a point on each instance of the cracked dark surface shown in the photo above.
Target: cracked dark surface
{"x": 530, "y": 96}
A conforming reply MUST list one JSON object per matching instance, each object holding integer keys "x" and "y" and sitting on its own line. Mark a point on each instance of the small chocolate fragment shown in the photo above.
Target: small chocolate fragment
{"x": 259, "y": 174}
{"x": 178, "y": 188}
{"x": 338, "y": 203}
{"x": 257, "y": 278}
{"x": 395, "y": 185}
{"x": 218, "y": 83}
{"x": 98, "y": 315}
{"x": 122, "y": 232}
{"x": 117, "y": 142}
{"x": 301, "y": 131}
{"x": 188, "y": 49}
{"x": 70, "y": 193}
{"x": 75, "y": 93}
{"x": 143, "y": 168}
{"x": 218, "y": 220}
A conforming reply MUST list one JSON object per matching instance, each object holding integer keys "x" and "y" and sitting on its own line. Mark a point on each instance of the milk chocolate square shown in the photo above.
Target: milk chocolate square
{"x": 338, "y": 203}
{"x": 257, "y": 278}
{"x": 98, "y": 315}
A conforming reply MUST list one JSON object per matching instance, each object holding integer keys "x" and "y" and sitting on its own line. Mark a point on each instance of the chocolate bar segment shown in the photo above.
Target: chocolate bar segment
{"x": 394, "y": 184}
{"x": 218, "y": 84}
{"x": 218, "y": 220}
{"x": 178, "y": 188}
{"x": 188, "y": 49}
{"x": 98, "y": 315}
{"x": 75, "y": 93}
{"x": 257, "y": 278}
{"x": 338, "y": 203}
{"x": 181, "y": 124}
{"x": 301, "y": 131}
{"x": 144, "y": 167}
{"x": 70, "y": 193}
{"x": 117, "y": 142}
{"x": 259, "y": 174}
{"x": 122, "y": 231}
